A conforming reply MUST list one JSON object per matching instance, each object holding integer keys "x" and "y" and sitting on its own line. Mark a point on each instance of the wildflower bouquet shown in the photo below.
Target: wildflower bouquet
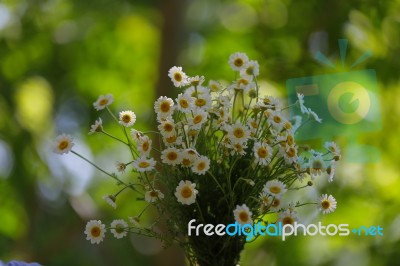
{"x": 224, "y": 155}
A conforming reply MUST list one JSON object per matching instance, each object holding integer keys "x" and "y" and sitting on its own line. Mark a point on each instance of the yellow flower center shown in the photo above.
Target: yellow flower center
{"x": 153, "y": 194}
{"x": 276, "y": 202}
{"x": 287, "y": 220}
{"x": 172, "y": 156}
{"x": 290, "y": 140}
{"x": 186, "y": 162}
{"x": 197, "y": 119}
{"x": 277, "y": 119}
{"x": 103, "y": 102}
{"x": 238, "y": 132}
{"x": 183, "y": 103}
{"x": 291, "y": 152}
{"x": 275, "y": 189}
{"x": 186, "y": 192}
{"x": 171, "y": 139}
{"x": 317, "y": 165}
{"x": 178, "y": 77}
{"x": 168, "y": 127}
{"x": 165, "y": 107}
{"x": 63, "y": 145}
{"x": 126, "y": 118}
{"x": 243, "y": 216}
{"x": 250, "y": 71}
{"x": 95, "y": 231}
{"x": 200, "y": 102}
{"x": 143, "y": 164}
{"x": 201, "y": 166}
{"x": 145, "y": 146}
{"x": 238, "y": 62}
{"x": 325, "y": 204}
{"x": 262, "y": 152}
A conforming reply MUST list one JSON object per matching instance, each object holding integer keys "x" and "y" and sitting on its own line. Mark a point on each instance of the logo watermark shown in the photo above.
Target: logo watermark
{"x": 280, "y": 230}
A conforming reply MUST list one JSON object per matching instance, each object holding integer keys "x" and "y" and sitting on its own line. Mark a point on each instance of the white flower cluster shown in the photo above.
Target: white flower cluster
{"x": 218, "y": 138}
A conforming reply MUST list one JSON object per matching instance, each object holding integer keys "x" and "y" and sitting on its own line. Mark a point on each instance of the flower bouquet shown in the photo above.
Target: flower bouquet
{"x": 221, "y": 155}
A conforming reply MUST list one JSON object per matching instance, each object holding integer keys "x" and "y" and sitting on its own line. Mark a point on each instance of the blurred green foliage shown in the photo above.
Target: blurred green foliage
{"x": 57, "y": 56}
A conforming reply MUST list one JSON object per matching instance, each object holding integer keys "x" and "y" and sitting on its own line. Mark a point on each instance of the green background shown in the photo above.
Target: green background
{"x": 57, "y": 56}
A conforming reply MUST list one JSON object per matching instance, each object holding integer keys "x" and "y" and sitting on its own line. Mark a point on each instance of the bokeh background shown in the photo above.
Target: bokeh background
{"x": 57, "y": 56}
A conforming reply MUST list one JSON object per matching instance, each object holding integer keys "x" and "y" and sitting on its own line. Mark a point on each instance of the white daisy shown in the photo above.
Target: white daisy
{"x": 63, "y": 144}
{"x": 178, "y": 77}
{"x": 262, "y": 153}
{"x": 330, "y": 170}
{"x": 167, "y": 128}
{"x": 288, "y": 217}
{"x": 327, "y": 204}
{"x": 188, "y": 157}
{"x": 144, "y": 145}
{"x": 119, "y": 228}
{"x": 199, "y": 118}
{"x": 316, "y": 164}
{"x": 95, "y": 231}
{"x": 103, "y": 101}
{"x": 172, "y": 140}
{"x": 250, "y": 69}
{"x": 135, "y": 134}
{"x": 120, "y": 167}
{"x": 276, "y": 119}
{"x": 275, "y": 188}
{"x": 238, "y": 133}
{"x": 203, "y": 101}
{"x": 142, "y": 164}
{"x": 214, "y": 86}
{"x": 271, "y": 103}
{"x": 290, "y": 153}
{"x": 238, "y": 148}
{"x": 110, "y": 199}
{"x": 333, "y": 148}
{"x": 242, "y": 214}
{"x": 153, "y": 195}
{"x": 96, "y": 127}
{"x": 186, "y": 193}
{"x": 245, "y": 84}
{"x": 164, "y": 107}
{"x": 127, "y": 118}
{"x": 276, "y": 204}
{"x": 196, "y": 81}
{"x": 201, "y": 165}
{"x": 184, "y": 102}
{"x": 238, "y": 60}
{"x": 171, "y": 156}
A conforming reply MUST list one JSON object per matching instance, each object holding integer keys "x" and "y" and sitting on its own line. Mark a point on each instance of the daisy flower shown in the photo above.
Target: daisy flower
{"x": 276, "y": 204}
{"x": 316, "y": 164}
{"x": 330, "y": 170}
{"x": 238, "y": 133}
{"x": 245, "y": 84}
{"x": 333, "y": 148}
{"x": 327, "y": 204}
{"x": 203, "y": 101}
{"x": 288, "y": 217}
{"x": 238, "y": 148}
{"x": 110, "y": 199}
{"x": 95, "y": 231}
{"x": 196, "y": 81}
{"x": 238, "y": 60}
{"x": 103, "y": 101}
{"x": 262, "y": 153}
{"x": 127, "y": 118}
{"x": 242, "y": 215}
{"x": 276, "y": 119}
{"x": 188, "y": 157}
{"x": 119, "y": 228}
{"x": 201, "y": 165}
{"x": 172, "y": 140}
{"x": 186, "y": 192}
{"x": 167, "y": 128}
{"x": 177, "y": 76}
{"x": 120, "y": 167}
{"x": 164, "y": 107}
{"x": 63, "y": 144}
{"x": 250, "y": 69}
{"x": 198, "y": 119}
{"x": 144, "y": 145}
{"x": 96, "y": 127}
{"x": 143, "y": 165}
{"x": 153, "y": 195}
{"x": 184, "y": 102}
{"x": 214, "y": 86}
{"x": 290, "y": 153}
{"x": 275, "y": 188}
{"x": 171, "y": 156}
{"x": 135, "y": 134}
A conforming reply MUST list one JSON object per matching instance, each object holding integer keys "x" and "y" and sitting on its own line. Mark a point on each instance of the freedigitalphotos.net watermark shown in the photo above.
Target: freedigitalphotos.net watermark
{"x": 280, "y": 230}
